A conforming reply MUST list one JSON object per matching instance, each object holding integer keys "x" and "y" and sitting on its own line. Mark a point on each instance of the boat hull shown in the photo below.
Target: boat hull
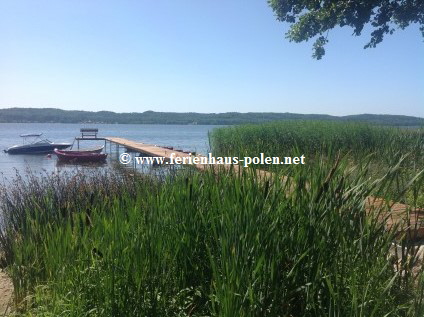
{"x": 39, "y": 149}
{"x": 80, "y": 157}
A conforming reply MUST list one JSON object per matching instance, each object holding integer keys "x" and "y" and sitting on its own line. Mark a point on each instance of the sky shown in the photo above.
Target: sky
{"x": 204, "y": 56}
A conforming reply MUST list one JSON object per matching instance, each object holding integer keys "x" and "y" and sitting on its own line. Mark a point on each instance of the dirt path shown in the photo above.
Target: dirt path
{"x": 6, "y": 291}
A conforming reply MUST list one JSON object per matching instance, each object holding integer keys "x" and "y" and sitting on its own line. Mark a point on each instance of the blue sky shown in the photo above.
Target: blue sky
{"x": 200, "y": 56}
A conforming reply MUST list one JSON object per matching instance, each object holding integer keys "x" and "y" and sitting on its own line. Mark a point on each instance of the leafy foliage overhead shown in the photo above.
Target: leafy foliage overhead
{"x": 314, "y": 18}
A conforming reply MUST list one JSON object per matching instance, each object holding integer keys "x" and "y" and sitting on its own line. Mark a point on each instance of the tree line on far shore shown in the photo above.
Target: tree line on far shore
{"x": 49, "y": 115}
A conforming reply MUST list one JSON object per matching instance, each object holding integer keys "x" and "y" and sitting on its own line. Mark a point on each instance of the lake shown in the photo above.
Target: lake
{"x": 186, "y": 137}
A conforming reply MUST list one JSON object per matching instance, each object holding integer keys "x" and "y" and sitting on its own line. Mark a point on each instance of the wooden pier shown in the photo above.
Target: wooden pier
{"x": 410, "y": 221}
{"x": 158, "y": 151}
{"x": 147, "y": 149}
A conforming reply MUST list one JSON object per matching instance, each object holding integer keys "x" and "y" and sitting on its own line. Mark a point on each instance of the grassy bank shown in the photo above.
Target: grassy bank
{"x": 205, "y": 245}
{"x": 378, "y": 147}
{"x": 317, "y": 138}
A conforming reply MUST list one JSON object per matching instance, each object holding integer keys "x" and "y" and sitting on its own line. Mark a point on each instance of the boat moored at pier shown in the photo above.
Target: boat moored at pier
{"x": 80, "y": 156}
{"x": 33, "y": 144}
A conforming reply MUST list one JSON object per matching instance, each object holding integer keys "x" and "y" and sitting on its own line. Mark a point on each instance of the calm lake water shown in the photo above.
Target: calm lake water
{"x": 186, "y": 137}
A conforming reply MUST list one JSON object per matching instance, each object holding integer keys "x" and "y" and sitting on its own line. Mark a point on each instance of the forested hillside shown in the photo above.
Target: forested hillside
{"x": 151, "y": 117}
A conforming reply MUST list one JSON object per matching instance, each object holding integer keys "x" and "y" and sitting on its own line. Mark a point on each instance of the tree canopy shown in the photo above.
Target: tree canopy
{"x": 315, "y": 18}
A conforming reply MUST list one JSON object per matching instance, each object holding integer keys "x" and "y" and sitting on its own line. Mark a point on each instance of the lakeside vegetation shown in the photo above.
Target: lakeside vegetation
{"x": 379, "y": 147}
{"x": 50, "y": 115}
{"x": 219, "y": 244}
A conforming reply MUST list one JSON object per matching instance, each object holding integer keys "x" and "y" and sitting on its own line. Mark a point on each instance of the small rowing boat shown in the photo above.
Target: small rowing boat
{"x": 98, "y": 149}
{"x": 80, "y": 156}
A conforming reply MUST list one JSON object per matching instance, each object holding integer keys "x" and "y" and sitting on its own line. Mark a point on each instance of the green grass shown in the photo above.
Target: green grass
{"x": 315, "y": 138}
{"x": 362, "y": 144}
{"x": 205, "y": 244}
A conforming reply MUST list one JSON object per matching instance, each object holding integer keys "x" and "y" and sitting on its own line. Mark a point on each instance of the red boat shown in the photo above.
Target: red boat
{"x": 96, "y": 149}
{"x": 80, "y": 156}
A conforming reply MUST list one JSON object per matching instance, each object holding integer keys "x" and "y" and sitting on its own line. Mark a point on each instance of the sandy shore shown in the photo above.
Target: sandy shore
{"x": 6, "y": 292}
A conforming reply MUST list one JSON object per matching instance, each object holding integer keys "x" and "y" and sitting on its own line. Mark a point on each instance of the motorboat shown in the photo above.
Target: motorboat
{"x": 33, "y": 144}
{"x": 80, "y": 156}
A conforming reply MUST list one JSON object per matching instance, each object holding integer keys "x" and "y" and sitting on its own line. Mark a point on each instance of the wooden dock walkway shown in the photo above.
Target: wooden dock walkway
{"x": 148, "y": 149}
{"x": 411, "y": 222}
{"x": 154, "y": 150}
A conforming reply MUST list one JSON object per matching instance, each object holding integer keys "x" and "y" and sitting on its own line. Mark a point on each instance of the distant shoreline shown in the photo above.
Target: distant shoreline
{"x": 53, "y": 115}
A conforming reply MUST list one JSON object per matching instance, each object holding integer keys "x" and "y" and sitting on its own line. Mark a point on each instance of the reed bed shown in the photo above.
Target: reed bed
{"x": 210, "y": 244}
{"x": 377, "y": 147}
{"x": 314, "y": 138}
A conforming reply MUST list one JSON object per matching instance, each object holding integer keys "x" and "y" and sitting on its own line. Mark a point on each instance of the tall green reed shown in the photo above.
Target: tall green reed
{"x": 378, "y": 147}
{"x": 212, "y": 244}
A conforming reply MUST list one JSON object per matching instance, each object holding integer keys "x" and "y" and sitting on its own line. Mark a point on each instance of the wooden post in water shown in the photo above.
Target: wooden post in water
{"x": 135, "y": 166}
